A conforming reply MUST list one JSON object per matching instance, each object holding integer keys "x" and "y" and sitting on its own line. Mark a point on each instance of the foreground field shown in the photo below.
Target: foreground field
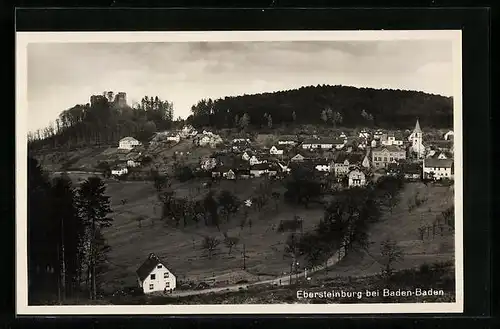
{"x": 181, "y": 248}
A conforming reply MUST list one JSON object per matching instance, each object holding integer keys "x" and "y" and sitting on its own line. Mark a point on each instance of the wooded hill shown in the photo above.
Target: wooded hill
{"x": 328, "y": 105}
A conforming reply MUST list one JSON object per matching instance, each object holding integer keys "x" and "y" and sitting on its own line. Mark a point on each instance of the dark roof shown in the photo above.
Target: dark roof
{"x": 438, "y": 153}
{"x": 439, "y": 163}
{"x": 390, "y": 148}
{"x": 351, "y": 157}
{"x": 324, "y": 141}
{"x": 412, "y": 168}
{"x": 148, "y": 266}
{"x": 260, "y": 166}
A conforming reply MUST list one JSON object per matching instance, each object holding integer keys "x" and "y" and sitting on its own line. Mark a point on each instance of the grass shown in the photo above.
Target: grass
{"x": 181, "y": 248}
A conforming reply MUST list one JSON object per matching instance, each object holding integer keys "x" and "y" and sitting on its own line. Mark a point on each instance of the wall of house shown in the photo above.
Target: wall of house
{"x": 438, "y": 172}
{"x": 159, "y": 283}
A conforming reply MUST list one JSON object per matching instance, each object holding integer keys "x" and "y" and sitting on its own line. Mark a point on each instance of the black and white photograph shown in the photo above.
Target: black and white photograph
{"x": 239, "y": 172}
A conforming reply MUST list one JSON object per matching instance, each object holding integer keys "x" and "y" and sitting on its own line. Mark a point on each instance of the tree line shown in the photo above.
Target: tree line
{"x": 325, "y": 105}
{"x": 66, "y": 247}
{"x": 103, "y": 122}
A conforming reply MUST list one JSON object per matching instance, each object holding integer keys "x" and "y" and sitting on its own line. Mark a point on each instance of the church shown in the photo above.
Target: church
{"x": 416, "y": 142}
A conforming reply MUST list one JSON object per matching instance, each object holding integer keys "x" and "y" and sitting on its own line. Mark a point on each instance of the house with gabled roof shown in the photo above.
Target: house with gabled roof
{"x": 438, "y": 168}
{"x": 345, "y": 161}
{"x": 154, "y": 276}
{"x": 386, "y": 154}
{"x": 128, "y": 143}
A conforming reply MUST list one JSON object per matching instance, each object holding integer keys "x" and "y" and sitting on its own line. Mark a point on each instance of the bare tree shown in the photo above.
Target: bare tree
{"x": 210, "y": 245}
{"x": 230, "y": 242}
{"x": 391, "y": 253}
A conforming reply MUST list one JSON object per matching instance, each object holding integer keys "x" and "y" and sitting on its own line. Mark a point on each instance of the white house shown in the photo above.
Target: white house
{"x": 438, "y": 168}
{"x": 174, "y": 137}
{"x": 392, "y": 139}
{"x": 274, "y": 151}
{"x": 210, "y": 139}
{"x": 154, "y": 276}
{"x": 324, "y": 167}
{"x": 133, "y": 163}
{"x": 449, "y": 135}
{"x": 259, "y": 169}
{"x": 287, "y": 140}
{"x": 119, "y": 171}
{"x": 241, "y": 140}
{"x": 254, "y": 161}
{"x": 356, "y": 178}
{"x": 128, "y": 143}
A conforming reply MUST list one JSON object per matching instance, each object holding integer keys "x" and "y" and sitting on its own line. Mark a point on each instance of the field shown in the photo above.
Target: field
{"x": 181, "y": 248}
{"x": 403, "y": 226}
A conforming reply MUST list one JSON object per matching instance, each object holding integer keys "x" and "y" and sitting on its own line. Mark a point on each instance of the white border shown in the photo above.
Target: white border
{"x": 22, "y": 40}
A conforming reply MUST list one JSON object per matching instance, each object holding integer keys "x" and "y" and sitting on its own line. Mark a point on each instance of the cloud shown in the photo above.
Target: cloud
{"x": 61, "y": 75}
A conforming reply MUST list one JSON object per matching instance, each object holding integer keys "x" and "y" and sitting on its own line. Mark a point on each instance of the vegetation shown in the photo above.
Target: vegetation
{"x": 327, "y": 105}
{"x": 66, "y": 249}
{"x": 102, "y": 123}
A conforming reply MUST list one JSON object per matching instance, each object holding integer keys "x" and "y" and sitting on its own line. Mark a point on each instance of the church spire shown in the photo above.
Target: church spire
{"x": 417, "y": 127}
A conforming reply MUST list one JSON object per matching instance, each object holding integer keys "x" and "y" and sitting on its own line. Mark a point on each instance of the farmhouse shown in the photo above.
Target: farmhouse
{"x": 119, "y": 171}
{"x": 344, "y": 163}
{"x": 287, "y": 140}
{"x": 259, "y": 169}
{"x": 128, "y": 143}
{"x": 153, "y": 276}
{"x": 275, "y": 151}
{"x": 297, "y": 158}
{"x": 387, "y": 154}
{"x": 356, "y": 178}
{"x": 438, "y": 168}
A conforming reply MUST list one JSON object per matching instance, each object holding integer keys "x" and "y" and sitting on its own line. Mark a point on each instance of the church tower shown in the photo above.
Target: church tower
{"x": 417, "y": 141}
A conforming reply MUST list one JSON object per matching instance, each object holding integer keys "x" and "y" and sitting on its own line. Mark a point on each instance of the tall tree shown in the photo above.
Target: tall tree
{"x": 94, "y": 208}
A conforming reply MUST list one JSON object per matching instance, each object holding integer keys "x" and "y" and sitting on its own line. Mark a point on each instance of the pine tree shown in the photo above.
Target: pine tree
{"x": 94, "y": 207}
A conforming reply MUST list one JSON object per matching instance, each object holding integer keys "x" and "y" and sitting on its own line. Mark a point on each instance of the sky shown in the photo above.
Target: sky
{"x": 61, "y": 75}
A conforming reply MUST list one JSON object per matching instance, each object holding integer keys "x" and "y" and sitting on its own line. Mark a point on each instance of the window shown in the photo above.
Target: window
{"x": 153, "y": 276}
{"x": 391, "y": 158}
{"x": 159, "y": 266}
{"x": 151, "y": 286}
{"x": 165, "y": 275}
{"x": 385, "y": 158}
{"x": 167, "y": 285}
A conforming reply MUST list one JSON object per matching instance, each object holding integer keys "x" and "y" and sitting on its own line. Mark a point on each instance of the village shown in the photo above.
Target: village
{"x": 344, "y": 161}
{"x": 351, "y": 160}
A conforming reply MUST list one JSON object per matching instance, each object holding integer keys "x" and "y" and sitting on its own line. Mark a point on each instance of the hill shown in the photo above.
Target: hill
{"x": 356, "y": 106}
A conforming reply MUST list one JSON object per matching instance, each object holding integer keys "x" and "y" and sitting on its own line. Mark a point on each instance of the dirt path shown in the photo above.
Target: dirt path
{"x": 280, "y": 281}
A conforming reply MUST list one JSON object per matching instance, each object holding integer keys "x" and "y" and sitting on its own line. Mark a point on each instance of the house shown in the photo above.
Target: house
{"x": 364, "y": 134}
{"x": 322, "y": 143}
{"x": 274, "y": 151}
{"x": 343, "y": 136}
{"x": 442, "y": 145}
{"x": 254, "y": 161}
{"x": 242, "y": 173}
{"x": 412, "y": 171}
{"x": 241, "y": 140}
{"x": 356, "y": 178}
{"x": 259, "y": 169}
{"x": 441, "y": 155}
{"x": 297, "y": 158}
{"x": 437, "y": 168}
{"x": 128, "y": 143}
{"x": 188, "y": 131}
{"x": 229, "y": 174}
{"x": 344, "y": 163}
{"x": 208, "y": 163}
{"x": 323, "y": 167}
{"x": 378, "y": 134}
{"x": 153, "y": 276}
{"x": 208, "y": 138}
{"x": 272, "y": 170}
{"x": 393, "y": 138}
{"x": 449, "y": 136}
{"x": 287, "y": 140}
{"x": 173, "y": 137}
{"x": 386, "y": 154}
{"x": 119, "y": 171}
{"x": 133, "y": 163}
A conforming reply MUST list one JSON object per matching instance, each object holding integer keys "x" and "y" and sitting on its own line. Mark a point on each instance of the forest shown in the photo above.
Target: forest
{"x": 103, "y": 123}
{"x": 325, "y": 104}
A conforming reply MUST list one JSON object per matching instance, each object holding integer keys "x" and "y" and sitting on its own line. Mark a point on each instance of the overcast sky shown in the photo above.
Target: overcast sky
{"x": 62, "y": 75}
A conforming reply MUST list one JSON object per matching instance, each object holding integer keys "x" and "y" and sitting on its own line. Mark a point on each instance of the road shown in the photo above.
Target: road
{"x": 283, "y": 281}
